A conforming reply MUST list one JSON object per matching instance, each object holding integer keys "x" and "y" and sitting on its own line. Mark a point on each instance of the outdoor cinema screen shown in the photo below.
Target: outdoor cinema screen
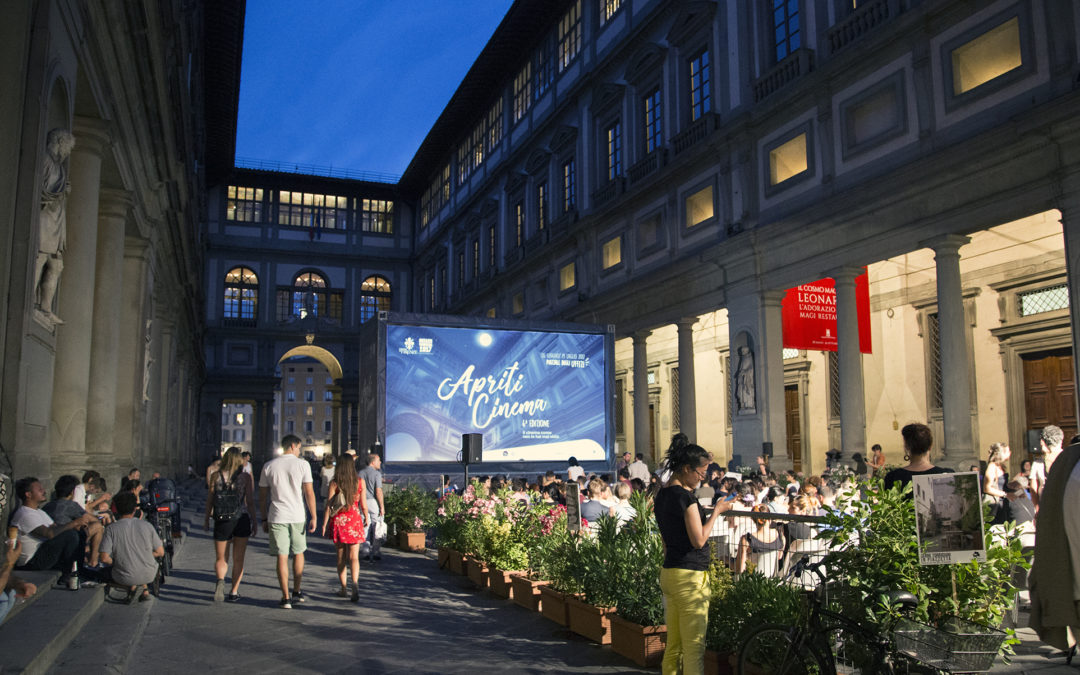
{"x": 535, "y": 396}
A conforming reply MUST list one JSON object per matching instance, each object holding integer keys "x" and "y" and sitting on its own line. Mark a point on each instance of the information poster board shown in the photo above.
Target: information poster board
{"x": 948, "y": 517}
{"x": 573, "y": 507}
{"x": 809, "y": 315}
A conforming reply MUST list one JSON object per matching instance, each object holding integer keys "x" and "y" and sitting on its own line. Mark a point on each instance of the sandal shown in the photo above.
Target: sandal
{"x": 145, "y": 596}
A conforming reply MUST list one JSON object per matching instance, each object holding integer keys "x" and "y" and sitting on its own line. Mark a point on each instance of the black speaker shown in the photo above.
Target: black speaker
{"x": 766, "y": 449}
{"x": 472, "y": 448}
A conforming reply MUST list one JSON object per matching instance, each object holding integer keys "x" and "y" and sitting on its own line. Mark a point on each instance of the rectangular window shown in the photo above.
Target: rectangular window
{"x": 933, "y": 334}
{"x": 290, "y": 426}
{"x": 700, "y": 86}
{"x": 304, "y": 209}
{"x": 608, "y": 9}
{"x": 445, "y": 182}
{"x": 541, "y": 205}
{"x": 495, "y": 125}
{"x": 567, "y": 277}
{"x": 614, "y": 151}
{"x": 992, "y": 54}
{"x": 519, "y": 222}
{"x": 786, "y": 31}
{"x": 290, "y": 395}
{"x": 517, "y": 305}
{"x": 543, "y": 69}
{"x": 612, "y": 253}
{"x": 1044, "y": 300}
{"x": 327, "y": 426}
{"x": 464, "y": 165}
{"x": 490, "y": 313}
{"x": 620, "y": 413}
{"x": 478, "y": 145}
{"x": 461, "y": 269}
{"x": 648, "y": 233}
{"x": 476, "y": 258}
{"x": 569, "y": 187}
{"x": 788, "y": 160}
{"x": 699, "y": 206}
{"x": 244, "y": 204}
{"x": 653, "y": 121}
{"x": 328, "y": 396}
{"x": 309, "y": 411}
{"x": 309, "y": 395}
{"x": 226, "y": 436}
{"x": 431, "y": 293}
{"x": 309, "y": 381}
{"x": 676, "y": 422}
{"x": 568, "y": 35}
{"x": 491, "y": 247}
{"x": 522, "y": 91}
{"x": 309, "y": 426}
{"x": 376, "y": 215}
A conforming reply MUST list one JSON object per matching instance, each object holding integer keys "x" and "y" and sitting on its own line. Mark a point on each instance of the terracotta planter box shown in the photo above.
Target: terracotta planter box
{"x": 590, "y": 621}
{"x": 499, "y": 582}
{"x": 477, "y": 572}
{"x": 644, "y": 645}
{"x": 444, "y": 556}
{"x": 719, "y": 664}
{"x": 526, "y": 591}
{"x": 412, "y": 541}
{"x": 455, "y": 561}
{"x": 553, "y": 606}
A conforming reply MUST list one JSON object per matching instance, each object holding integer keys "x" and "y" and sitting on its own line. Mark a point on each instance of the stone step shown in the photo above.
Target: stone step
{"x": 42, "y": 630}
{"x": 44, "y": 581}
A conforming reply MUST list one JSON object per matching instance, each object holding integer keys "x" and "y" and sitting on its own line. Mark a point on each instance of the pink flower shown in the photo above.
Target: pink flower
{"x": 441, "y": 511}
{"x": 417, "y": 523}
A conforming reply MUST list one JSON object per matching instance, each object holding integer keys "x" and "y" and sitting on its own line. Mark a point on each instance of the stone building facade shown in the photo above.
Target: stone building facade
{"x": 673, "y": 168}
{"x": 115, "y": 382}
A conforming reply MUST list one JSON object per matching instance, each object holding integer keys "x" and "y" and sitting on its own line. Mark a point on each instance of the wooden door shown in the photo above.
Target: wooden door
{"x": 1049, "y": 391}
{"x": 794, "y": 425}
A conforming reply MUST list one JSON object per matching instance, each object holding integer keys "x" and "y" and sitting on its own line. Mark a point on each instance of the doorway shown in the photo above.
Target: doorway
{"x": 794, "y": 425}
{"x": 1049, "y": 390}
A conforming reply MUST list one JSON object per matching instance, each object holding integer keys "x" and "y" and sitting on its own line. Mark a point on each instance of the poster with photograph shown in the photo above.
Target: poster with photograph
{"x": 948, "y": 518}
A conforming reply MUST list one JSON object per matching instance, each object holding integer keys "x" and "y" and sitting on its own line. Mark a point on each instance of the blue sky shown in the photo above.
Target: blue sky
{"x": 355, "y": 84}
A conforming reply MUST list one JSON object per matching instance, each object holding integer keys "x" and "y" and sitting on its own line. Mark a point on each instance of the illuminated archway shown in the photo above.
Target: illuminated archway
{"x": 319, "y": 354}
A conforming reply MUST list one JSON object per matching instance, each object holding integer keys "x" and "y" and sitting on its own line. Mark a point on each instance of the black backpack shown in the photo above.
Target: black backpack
{"x": 226, "y": 498}
{"x": 161, "y": 492}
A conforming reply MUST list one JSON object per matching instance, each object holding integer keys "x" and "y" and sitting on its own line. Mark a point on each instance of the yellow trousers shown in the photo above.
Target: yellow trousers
{"x": 686, "y": 610}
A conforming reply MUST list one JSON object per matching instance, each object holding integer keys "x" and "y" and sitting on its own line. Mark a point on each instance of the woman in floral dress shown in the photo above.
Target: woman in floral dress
{"x": 343, "y": 514}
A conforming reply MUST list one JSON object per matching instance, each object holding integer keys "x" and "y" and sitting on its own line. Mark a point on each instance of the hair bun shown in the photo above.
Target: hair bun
{"x": 679, "y": 441}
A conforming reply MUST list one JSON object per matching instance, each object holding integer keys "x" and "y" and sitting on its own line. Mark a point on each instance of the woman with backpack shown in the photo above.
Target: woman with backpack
{"x": 231, "y": 502}
{"x": 343, "y": 509}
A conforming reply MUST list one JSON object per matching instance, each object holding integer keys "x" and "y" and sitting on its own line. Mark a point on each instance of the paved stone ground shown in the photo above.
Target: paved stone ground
{"x": 412, "y": 618}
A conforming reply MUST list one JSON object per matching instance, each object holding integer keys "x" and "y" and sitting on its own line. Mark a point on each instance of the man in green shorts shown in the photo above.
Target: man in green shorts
{"x": 284, "y": 489}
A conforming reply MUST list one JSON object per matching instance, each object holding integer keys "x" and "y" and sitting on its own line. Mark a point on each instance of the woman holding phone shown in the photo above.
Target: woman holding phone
{"x": 684, "y": 577}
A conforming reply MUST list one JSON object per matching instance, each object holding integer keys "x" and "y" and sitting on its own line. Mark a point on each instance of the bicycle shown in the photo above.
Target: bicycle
{"x": 162, "y": 521}
{"x": 825, "y": 642}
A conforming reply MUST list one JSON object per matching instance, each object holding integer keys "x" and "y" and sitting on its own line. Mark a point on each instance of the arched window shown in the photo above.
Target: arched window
{"x": 309, "y": 289}
{"x": 309, "y": 295}
{"x": 241, "y": 295}
{"x": 374, "y": 296}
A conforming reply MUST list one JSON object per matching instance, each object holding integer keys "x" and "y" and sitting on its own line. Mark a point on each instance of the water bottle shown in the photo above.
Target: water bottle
{"x": 73, "y": 578}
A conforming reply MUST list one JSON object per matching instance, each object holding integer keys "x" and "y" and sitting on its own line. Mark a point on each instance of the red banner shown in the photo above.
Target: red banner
{"x": 810, "y": 315}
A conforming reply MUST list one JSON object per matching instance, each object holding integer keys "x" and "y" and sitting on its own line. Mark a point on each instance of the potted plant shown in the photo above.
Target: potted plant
{"x": 544, "y": 529}
{"x": 450, "y": 520}
{"x": 753, "y": 599}
{"x": 638, "y": 631}
{"x": 601, "y": 563}
{"x": 409, "y": 509}
{"x": 554, "y": 562}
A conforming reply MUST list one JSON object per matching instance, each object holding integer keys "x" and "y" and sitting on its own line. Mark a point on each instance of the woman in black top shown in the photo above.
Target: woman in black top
{"x": 684, "y": 577}
{"x": 917, "y": 443}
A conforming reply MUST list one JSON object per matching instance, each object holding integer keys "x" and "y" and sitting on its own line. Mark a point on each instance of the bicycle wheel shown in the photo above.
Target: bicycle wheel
{"x": 775, "y": 649}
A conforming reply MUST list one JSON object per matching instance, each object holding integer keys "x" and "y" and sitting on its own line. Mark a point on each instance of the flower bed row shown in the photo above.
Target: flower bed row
{"x": 604, "y": 585}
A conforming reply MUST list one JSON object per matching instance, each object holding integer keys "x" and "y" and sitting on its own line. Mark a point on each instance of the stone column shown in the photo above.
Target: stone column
{"x": 956, "y": 449}
{"x": 1070, "y": 227}
{"x": 849, "y": 358}
{"x": 687, "y": 391}
{"x": 641, "y": 394}
{"x": 131, "y": 344}
{"x": 75, "y": 305}
{"x": 336, "y": 447}
{"x": 104, "y": 347}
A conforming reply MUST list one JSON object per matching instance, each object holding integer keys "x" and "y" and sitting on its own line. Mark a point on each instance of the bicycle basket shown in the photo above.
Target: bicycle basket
{"x": 957, "y": 645}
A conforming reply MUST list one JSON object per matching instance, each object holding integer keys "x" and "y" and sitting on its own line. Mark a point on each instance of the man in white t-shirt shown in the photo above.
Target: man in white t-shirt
{"x": 284, "y": 488}
{"x": 46, "y": 545}
{"x": 639, "y": 469}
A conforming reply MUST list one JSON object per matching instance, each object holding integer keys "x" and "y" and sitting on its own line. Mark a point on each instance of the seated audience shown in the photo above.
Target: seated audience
{"x": 132, "y": 547}
{"x": 63, "y": 509}
{"x": 600, "y": 502}
{"x": 46, "y": 545}
{"x": 623, "y": 511}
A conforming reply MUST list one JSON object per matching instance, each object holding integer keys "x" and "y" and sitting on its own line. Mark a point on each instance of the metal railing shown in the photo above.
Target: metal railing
{"x": 315, "y": 170}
